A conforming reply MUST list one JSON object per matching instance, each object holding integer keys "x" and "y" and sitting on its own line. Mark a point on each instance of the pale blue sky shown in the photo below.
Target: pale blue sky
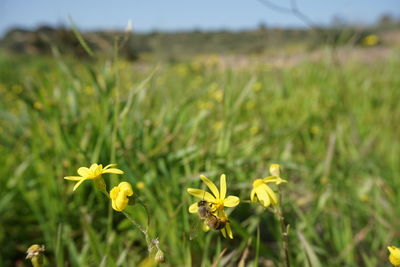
{"x": 183, "y": 14}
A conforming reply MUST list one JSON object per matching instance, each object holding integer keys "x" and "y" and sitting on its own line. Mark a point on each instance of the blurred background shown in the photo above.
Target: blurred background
{"x": 170, "y": 90}
{"x": 176, "y": 30}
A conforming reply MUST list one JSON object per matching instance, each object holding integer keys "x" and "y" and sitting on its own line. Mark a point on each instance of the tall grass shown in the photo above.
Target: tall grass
{"x": 336, "y": 136}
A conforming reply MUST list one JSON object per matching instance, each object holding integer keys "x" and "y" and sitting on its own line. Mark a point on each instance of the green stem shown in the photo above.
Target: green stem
{"x": 143, "y": 230}
{"x": 284, "y": 232}
{"x": 147, "y": 212}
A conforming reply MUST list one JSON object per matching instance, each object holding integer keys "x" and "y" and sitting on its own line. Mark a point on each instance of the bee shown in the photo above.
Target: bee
{"x": 206, "y": 213}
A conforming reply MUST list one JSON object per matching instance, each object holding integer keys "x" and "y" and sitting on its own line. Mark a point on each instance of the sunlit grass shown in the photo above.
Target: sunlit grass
{"x": 333, "y": 130}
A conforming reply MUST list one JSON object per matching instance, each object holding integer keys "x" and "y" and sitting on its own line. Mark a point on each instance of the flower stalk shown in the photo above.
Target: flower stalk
{"x": 284, "y": 231}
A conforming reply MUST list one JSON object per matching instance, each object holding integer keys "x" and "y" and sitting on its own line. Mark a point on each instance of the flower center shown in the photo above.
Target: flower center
{"x": 258, "y": 182}
{"x": 218, "y": 203}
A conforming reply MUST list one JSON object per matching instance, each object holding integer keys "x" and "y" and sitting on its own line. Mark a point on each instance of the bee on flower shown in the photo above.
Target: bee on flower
{"x": 262, "y": 192}
{"x": 211, "y": 206}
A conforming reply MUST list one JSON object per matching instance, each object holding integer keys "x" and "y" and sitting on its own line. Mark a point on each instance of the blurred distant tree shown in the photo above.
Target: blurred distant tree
{"x": 386, "y": 19}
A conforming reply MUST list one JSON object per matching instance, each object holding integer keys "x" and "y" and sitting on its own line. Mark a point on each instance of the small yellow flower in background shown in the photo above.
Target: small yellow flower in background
{"x": 218, "y": 95}
{"x": 119, "y": 196}
{"x": 38, "y": 105}
{"x": 257, "y": 87}
{"x": 370, "y": 40}
{"x": 218, "y": 125}
{"x": 205, "y": 105}
{"x": 315, "y": 129}
{"x": 218, "y": 199}
{"x": 262, "y": 192}
{"x": 251, "y": 104}
{"x": 94, "y": 172}
{"x": 140, "y": 185}
{"x": 394, "y": 256}
{"x": 254, "y": 130}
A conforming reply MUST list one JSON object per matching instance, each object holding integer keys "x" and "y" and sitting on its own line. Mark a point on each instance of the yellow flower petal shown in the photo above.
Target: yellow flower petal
{"x": 271, "y": 194}
{"x": 114, "y": 192}
{"x": 73, "y": 178}
{"x": 114, "y": 205}
{"x": 126, "y": 188}
{"x": 229, "y": 230}
{"x": 109, "y": 166}
{"x": 222, "y": 186}
{"x": 94, "y": 167}
{"x": 78, "y": 184}
{"x": 252, "y": 195}
{"x": 201, "y": 194}
{"x": 193, "y": 208}
{"x": 231, "y": 201}
{"x": 120, "y": 196}
{"x": 394, "y": 256}
{"x": 263, "y": 196}
{"x": 210, "y": 185}
{"x": 113, "y": 170}
{"x": 274, "y": 179}
{"x": 205, "y": 227}
{"x": 223, "y": 232}
{"x": 83, "y": 171}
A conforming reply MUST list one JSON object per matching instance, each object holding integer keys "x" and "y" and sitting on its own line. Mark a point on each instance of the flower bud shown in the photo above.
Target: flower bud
{"x": 275, "y": 170}
{"x": 35, "y": 254}
{"x": 159, "y": 258}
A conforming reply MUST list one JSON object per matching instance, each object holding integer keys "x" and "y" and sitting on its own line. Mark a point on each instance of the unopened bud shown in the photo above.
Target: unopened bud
{"x": 35, "y": 254}
{"x": 275, "y": 170}
{"x": 159, "y": 258}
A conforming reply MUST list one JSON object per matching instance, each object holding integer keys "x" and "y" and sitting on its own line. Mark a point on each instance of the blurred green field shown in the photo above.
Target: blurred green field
{"x": 333, "y": 129}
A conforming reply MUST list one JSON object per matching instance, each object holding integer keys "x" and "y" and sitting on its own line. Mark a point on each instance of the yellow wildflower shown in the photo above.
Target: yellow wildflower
{"x": 218, "y": 199}
{"x": 262, "y": 192}
{"x": 119, "y": 196}
{"x": 394, "y": 256}
{"x": 38, "y": 105}
{"x": 257, "y": 87}
{"x": 218, "y": 125}
{"x": 140, "y": 185}
{"x": 94, "y": 172}
{"x": 370, "y": 40}
{"x": 218, "y": 95}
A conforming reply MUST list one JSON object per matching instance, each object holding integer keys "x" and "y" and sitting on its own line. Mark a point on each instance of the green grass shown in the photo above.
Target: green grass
{"x": 334, "y": 131}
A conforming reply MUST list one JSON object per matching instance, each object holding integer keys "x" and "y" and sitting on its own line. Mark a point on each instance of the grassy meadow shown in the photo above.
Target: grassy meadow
{"x": 332, "y": 129}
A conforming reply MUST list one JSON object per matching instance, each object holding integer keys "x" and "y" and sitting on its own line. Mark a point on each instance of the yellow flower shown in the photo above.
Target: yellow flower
{"x": 218, "y": 199}
{"x": 119, "y": 196}
{"x": 94, "y": 172}
{"x": 262, "y": 192}
{"x": 140, "y": 185}
{"x": 370, "y": 40}
{"x": 394, "y": 256}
